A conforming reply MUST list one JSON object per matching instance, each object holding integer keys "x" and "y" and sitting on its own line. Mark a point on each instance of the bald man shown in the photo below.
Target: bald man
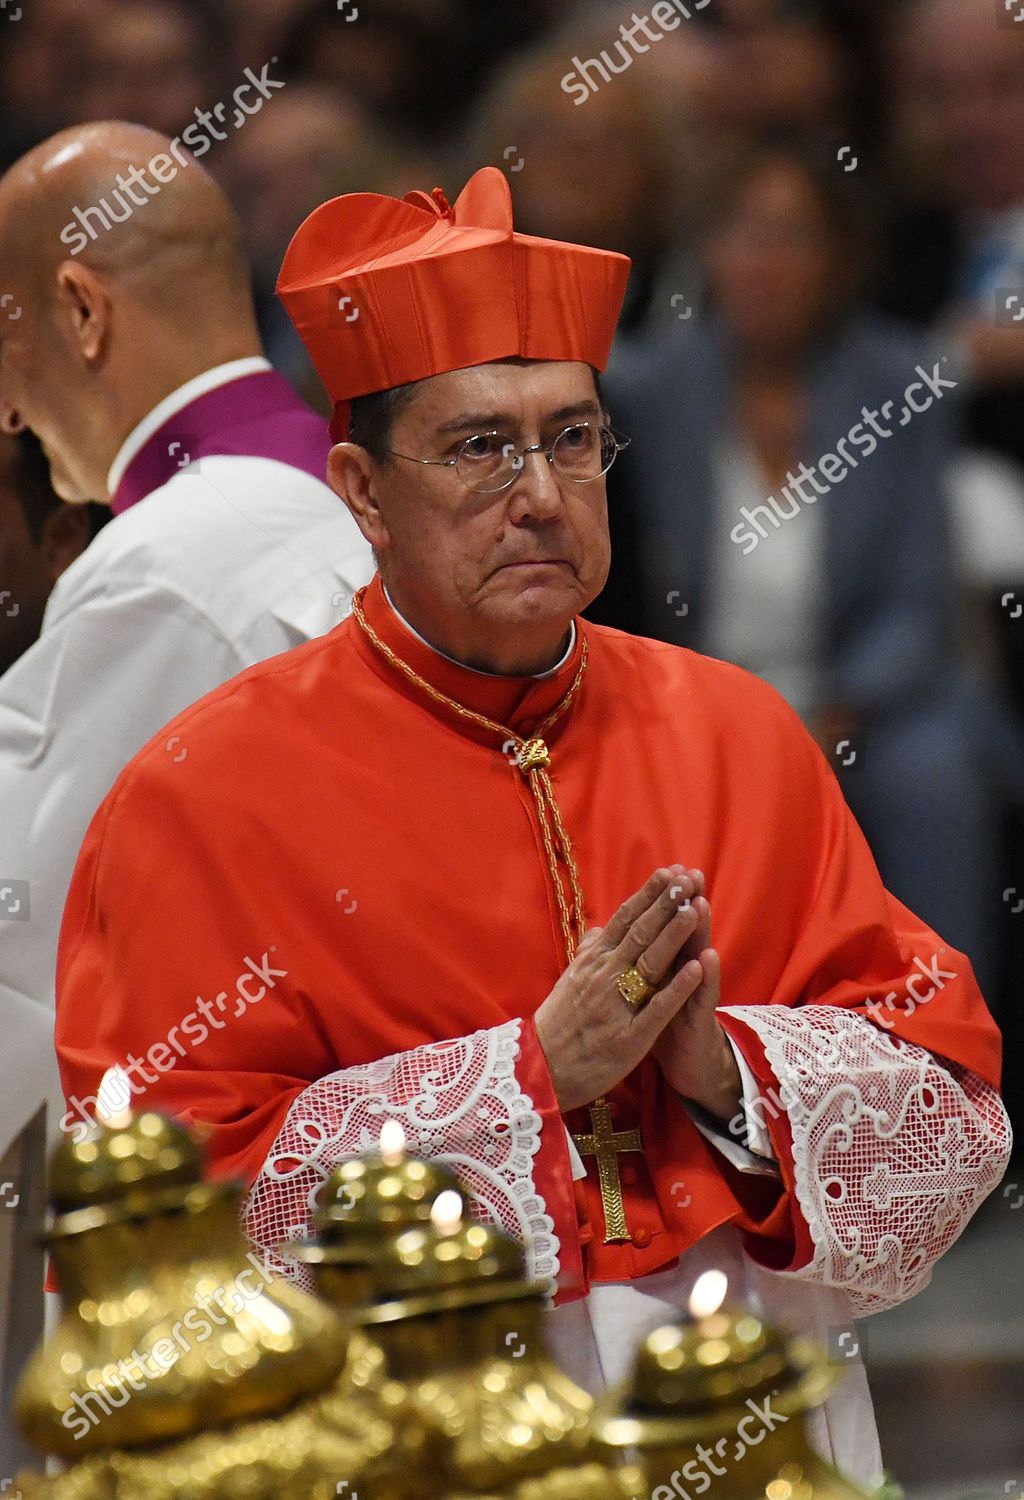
{"x": 137, "y": 363}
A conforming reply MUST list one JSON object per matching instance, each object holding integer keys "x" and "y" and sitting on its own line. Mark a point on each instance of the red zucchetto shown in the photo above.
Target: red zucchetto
{"x": 385, "y": 290}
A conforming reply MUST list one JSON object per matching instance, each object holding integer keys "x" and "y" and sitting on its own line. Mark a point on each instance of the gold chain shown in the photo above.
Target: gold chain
{"x": 533, "y": 758}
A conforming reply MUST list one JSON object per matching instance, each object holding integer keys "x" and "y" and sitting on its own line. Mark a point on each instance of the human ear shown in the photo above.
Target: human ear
{"x": 353, "y": 473}
{"x": 84, "y": 302}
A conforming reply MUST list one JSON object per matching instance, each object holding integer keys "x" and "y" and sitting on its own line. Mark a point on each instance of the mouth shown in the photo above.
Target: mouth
{"x": 537, "y": 562}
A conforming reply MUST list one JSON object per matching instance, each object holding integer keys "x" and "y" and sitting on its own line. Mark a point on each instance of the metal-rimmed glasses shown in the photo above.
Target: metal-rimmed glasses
{"x": 490, "y": 461}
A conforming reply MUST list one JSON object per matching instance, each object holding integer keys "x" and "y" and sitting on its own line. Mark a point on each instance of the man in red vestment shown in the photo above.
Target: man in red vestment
{"x": 456, "y": 863}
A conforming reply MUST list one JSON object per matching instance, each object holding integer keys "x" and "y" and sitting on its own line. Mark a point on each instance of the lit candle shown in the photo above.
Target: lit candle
{"x": 392, "y": 1143}
{"x": 446, "y": 1212}
{"x": 114, "y": 1099}
{"x": 708, "y": 1294}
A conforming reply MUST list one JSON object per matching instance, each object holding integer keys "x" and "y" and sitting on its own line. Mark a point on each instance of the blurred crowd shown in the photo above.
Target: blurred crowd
{"x": 823, "y": 201}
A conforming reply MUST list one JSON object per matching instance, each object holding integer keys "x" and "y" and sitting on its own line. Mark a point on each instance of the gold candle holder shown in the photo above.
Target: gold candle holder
{"x": 714, "y": 1406}
{"x": 151, "y": 1389}
{"x": 163, "y": 1313}
{"x": 365, "y": 1200}
{"x": 460, "y": 1329}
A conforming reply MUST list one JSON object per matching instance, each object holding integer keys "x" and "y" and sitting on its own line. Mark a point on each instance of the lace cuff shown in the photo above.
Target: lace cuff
{"x": 458, "y": 1101}
{"x": 892, "y": 1148}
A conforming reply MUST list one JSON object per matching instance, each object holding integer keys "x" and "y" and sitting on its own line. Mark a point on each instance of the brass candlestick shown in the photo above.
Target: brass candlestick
{"x": 460, "y": 1328}
{"x": 182, "y": 1365}
{"x": 163, "y": 1313}
{"x": 715, "y": 1405}
{"x": 364, "y": 1200}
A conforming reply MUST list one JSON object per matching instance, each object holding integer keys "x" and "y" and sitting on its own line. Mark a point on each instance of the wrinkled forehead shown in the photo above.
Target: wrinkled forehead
{"x": 515, "y": 390}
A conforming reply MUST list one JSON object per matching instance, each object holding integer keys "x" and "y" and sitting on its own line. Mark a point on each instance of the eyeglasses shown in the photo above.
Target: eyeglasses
{"x": 490, "y": 461}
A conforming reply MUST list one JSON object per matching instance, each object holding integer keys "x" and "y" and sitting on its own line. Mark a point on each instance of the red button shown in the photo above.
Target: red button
{"x": 641, "y": 1237}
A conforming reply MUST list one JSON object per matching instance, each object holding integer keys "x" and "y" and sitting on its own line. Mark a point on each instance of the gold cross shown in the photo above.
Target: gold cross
{"x": 607, "y": 1145}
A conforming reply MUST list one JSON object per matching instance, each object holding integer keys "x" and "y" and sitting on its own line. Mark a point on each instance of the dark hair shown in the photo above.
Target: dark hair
{"x": 372, "y": 418}
{"x": 849, "y": 207}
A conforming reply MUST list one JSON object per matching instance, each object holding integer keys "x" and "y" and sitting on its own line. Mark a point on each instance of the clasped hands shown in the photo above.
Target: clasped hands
{"x": 590, "y": 1037}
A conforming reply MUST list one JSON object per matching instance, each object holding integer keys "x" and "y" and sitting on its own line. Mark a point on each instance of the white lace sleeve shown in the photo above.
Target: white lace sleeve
{"x": 458, "y": 1101}
{"x": 893, "y": 1148}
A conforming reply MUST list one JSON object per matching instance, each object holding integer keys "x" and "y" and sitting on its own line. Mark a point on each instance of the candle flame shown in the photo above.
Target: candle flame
{"x": 446, "y": 1213}
{"x": 708, "y": 1293}
{"x": 392, "y": 1142}
{"x": 114, "y": 1099}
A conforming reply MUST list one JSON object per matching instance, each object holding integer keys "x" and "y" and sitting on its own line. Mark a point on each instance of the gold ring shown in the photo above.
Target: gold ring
{"x": 634, "y": 988}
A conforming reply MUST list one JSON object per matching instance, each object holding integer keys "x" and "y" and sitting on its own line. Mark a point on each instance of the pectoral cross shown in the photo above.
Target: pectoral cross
{"x": 607, "y": 1145}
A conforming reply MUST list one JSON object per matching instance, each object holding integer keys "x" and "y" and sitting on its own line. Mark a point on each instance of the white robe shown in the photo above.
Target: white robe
{"x": 595, "y": 1340}
{"x": 230, "y": 562}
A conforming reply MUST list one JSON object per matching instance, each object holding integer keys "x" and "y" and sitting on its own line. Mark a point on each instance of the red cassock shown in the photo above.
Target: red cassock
{"x": 335, "y": 908}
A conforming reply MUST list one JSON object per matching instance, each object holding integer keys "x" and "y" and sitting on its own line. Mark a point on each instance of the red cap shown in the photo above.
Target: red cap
{"x": 385, "y": 291}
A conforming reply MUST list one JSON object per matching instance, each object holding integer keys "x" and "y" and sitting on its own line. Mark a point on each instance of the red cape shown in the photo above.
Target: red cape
{"x": 331, "y": 822}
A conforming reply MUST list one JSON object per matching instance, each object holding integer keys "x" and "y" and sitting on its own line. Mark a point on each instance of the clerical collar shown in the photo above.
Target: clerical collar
{"x": 539, "y": 676}
{"x": 520, "y": 703}
{"x": 242, "y": 409}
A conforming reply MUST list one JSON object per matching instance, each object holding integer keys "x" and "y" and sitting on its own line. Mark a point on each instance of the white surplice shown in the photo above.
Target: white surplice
{"x": 233, "y": 560}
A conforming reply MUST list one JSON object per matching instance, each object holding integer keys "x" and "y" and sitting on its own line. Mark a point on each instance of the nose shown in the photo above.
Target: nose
{"x": 535, "y": 490}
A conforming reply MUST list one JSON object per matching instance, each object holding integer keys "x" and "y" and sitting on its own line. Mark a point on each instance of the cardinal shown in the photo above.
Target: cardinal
{"x": 586, "y": 913}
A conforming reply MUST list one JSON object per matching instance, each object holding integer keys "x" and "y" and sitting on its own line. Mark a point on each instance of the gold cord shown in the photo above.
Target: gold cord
{"x": 532, "y": 758}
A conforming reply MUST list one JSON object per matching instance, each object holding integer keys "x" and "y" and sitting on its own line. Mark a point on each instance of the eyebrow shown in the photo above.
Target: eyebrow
{"x": 493, "y": 421}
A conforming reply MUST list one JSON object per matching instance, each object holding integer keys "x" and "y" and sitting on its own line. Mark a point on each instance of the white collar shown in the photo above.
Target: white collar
{"x": 538, "y": 675}
{"x": 175, "y": 402}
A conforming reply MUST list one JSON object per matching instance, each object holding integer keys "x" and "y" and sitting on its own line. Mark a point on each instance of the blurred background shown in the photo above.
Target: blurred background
{"x": 824, "y": 205}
